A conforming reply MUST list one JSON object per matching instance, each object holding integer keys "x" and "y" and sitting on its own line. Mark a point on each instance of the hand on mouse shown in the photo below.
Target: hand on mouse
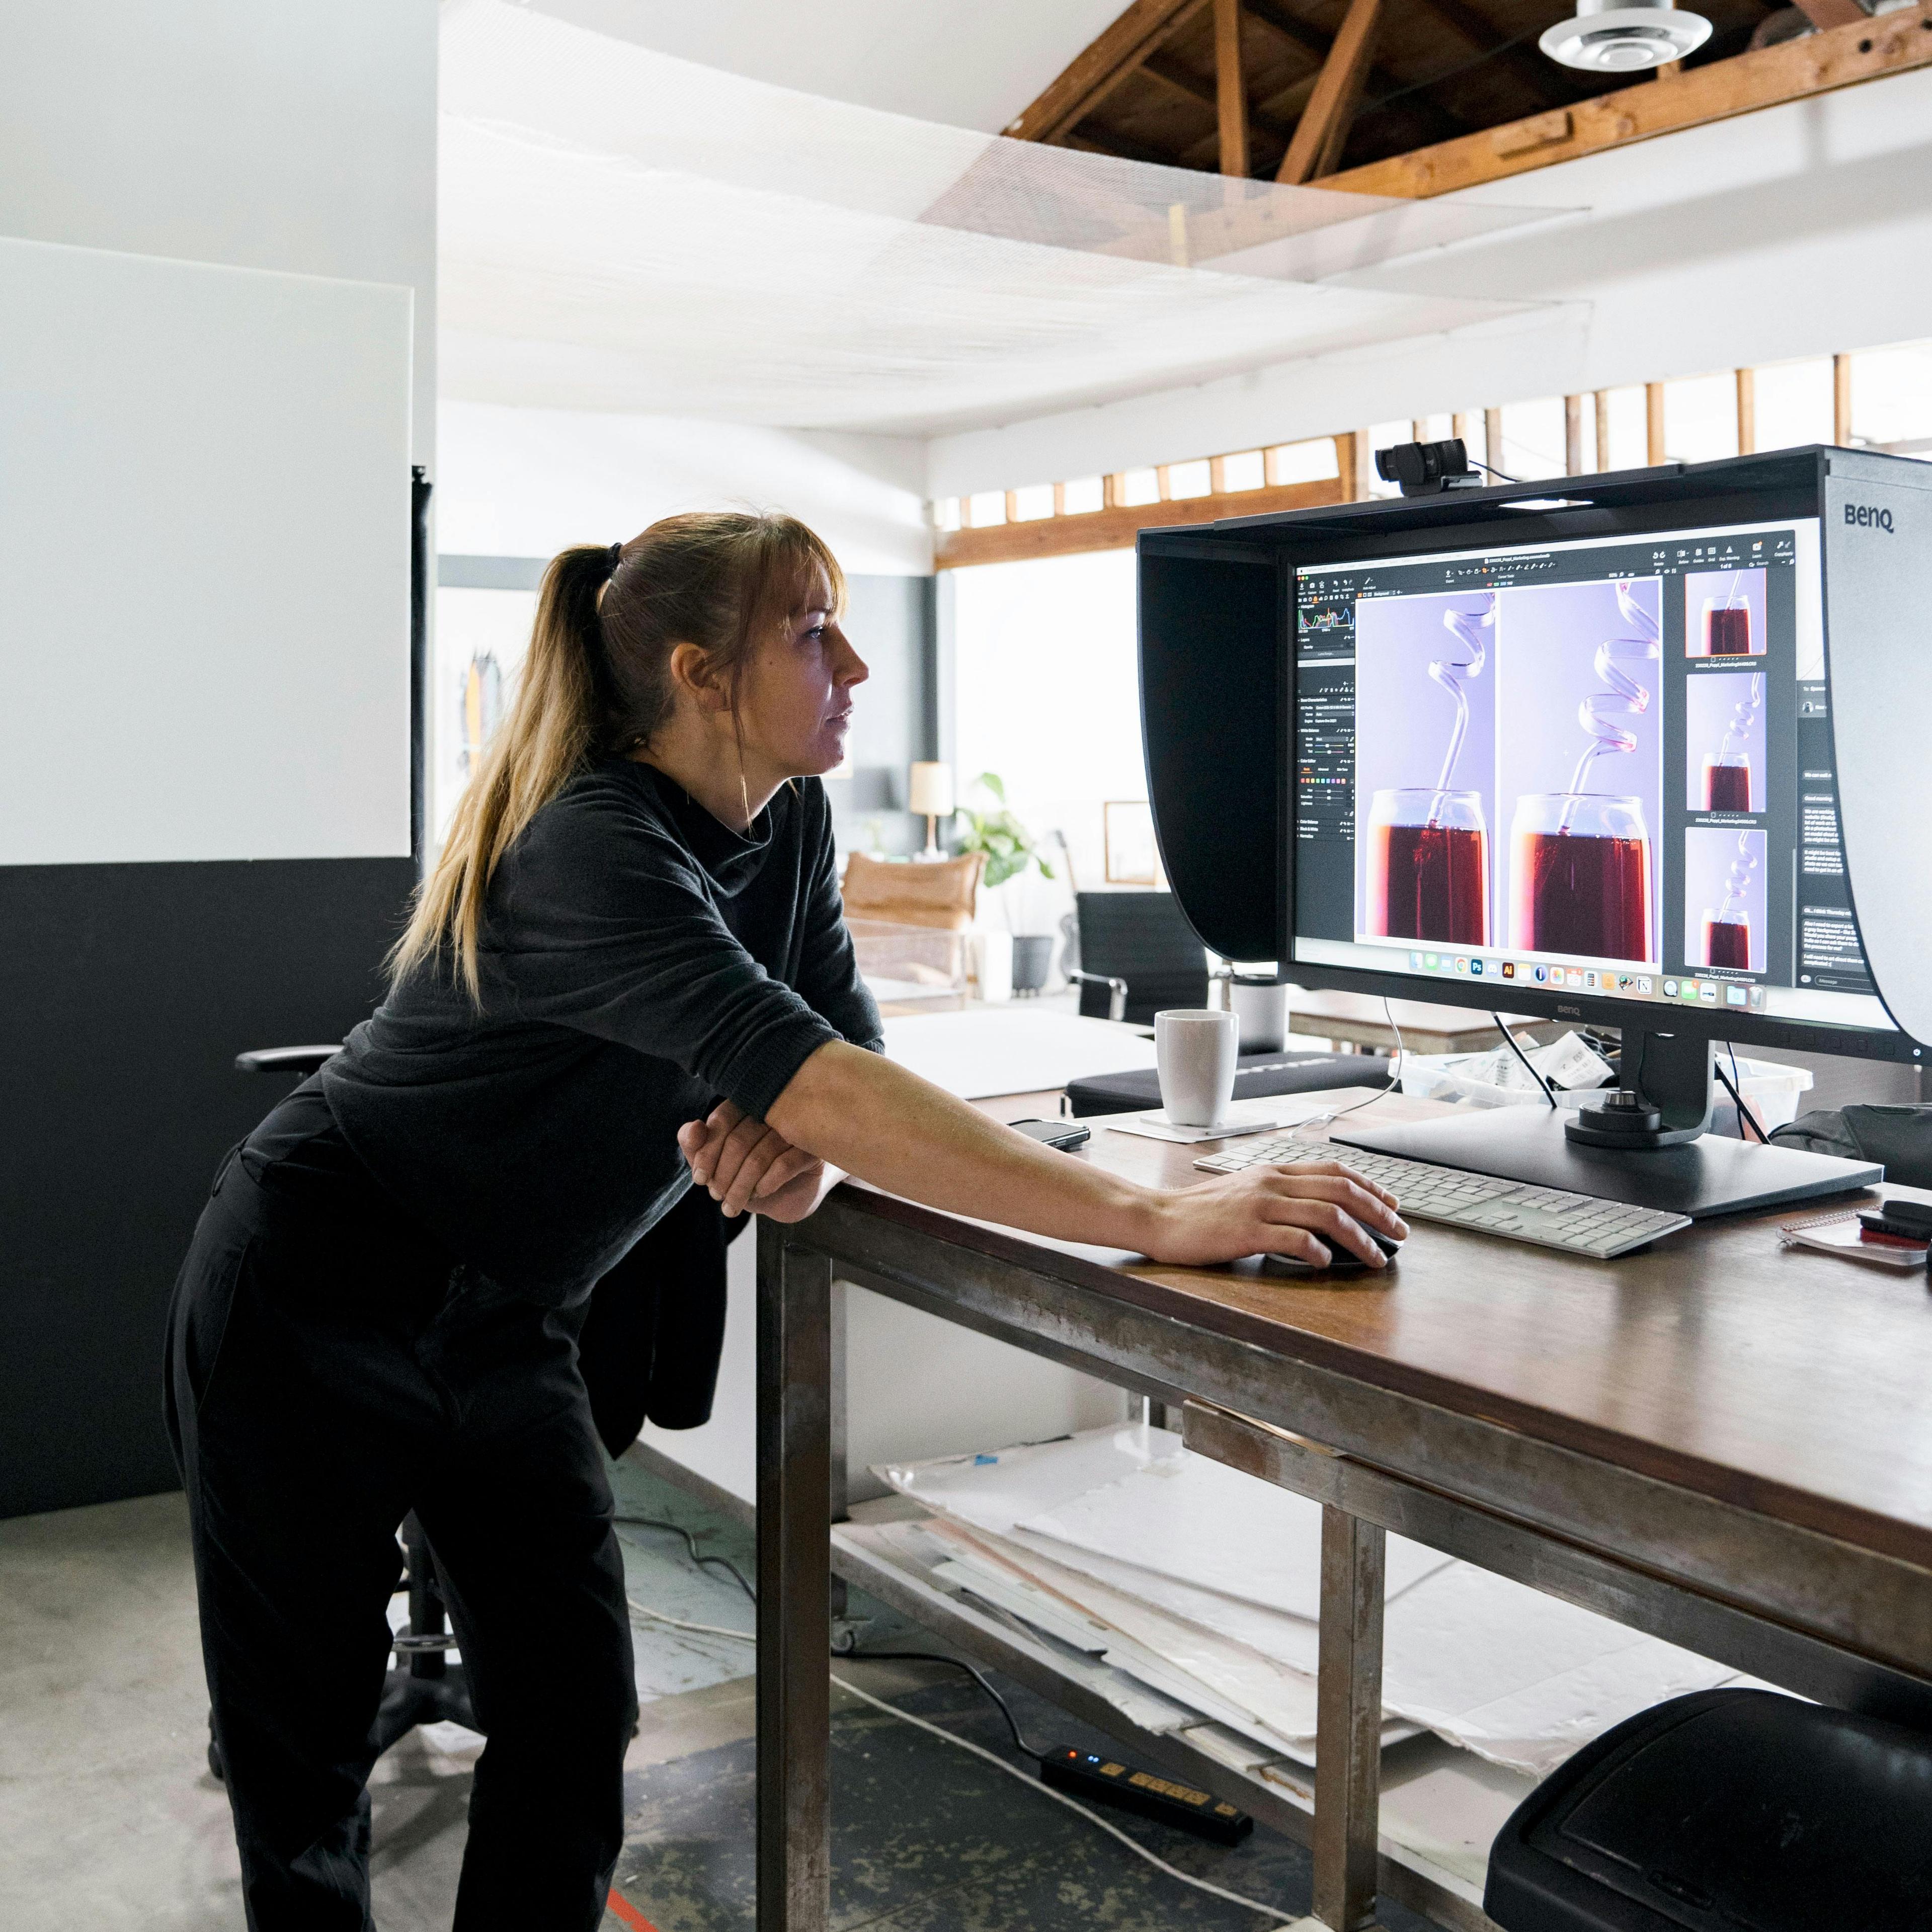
{"x": 1304, "y": 1212}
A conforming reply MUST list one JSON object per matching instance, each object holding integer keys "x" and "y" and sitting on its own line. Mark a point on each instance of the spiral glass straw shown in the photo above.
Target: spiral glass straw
{"x": 1734, "y": 747}
{"x": 1733, "y": 912}
{"x": 1597, "y": 713}
{"x": 1737, "y": 880}
{"x": 1467, "y": 627}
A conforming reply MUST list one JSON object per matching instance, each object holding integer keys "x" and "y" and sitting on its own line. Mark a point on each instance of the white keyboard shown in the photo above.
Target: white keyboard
{"x": 1579, "y": 1224}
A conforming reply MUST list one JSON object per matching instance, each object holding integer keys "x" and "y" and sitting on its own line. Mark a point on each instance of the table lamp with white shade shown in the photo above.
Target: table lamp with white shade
{"x": 931, "y": 793}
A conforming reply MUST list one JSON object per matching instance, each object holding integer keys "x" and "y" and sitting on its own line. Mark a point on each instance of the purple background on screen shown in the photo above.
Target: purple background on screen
{"x": 1699, "y": 584}
{"x": 1403, "y": 717}
{"x": 1710, "y": 697}
{"x": 1708, "y": 851}
{"x": 1548, "y": 639}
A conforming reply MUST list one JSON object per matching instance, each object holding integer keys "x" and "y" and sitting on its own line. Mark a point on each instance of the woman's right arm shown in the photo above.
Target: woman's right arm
{"x": 858, "y": 1111}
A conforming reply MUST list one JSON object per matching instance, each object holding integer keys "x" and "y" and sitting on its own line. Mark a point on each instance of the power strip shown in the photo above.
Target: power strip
{"x": 1106, "y": 1780}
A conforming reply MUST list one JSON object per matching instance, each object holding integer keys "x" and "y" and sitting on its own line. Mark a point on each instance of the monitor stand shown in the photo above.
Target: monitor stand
{"x": 1645, "y": 1143}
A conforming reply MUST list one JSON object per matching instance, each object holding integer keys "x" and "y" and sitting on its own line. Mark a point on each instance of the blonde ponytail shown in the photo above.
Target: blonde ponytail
{"x": 537, "y": 750}
{"x": 597, "y": 680}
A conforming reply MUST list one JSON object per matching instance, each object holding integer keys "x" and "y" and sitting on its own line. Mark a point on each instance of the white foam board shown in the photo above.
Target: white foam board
{"x": 1521, "y": 1678}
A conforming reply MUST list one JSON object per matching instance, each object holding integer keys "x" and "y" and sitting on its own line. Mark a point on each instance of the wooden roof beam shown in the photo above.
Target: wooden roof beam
{"x": 1231, "y": 109}
{"x": 1864, "y": 50}
{"x": 1095, "y": 137}
{"x": 1297, "y": 32}
{"x": 1169, "y": 73}
{"x": 1172, "y": 76}
{"x": 1146, "y": 26}
{"x": 1323, "y": 129}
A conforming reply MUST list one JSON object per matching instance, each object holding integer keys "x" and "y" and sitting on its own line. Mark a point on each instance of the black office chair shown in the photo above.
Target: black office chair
{"x": 424, "y": 1688}
{"x": 1724, "y": 1811}
{"x": 1137, "y": 955}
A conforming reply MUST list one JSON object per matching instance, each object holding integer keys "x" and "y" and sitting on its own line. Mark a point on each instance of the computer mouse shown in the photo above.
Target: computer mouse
{"x": 1343, "y": 1261}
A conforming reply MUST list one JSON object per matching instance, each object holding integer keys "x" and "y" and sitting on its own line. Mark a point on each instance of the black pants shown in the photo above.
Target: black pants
{"x": 327, "y": 1374}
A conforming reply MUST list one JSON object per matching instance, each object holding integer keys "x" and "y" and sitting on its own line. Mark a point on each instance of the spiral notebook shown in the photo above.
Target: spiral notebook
{"x": 1840, "y": 1234}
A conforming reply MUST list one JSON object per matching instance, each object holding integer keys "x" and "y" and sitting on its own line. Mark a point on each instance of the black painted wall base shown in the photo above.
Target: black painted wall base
{"x": 125, "y": 993}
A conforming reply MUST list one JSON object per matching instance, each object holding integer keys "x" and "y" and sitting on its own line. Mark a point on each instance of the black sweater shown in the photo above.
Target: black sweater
{"x": 639, "y": 960}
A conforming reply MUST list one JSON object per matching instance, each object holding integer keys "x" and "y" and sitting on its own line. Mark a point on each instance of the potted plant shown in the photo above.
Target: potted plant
{"x": 1010, "y": 850}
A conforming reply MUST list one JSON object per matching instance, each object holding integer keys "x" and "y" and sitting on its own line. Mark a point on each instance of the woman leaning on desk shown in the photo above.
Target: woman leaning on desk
{"x": 637, "y": 913}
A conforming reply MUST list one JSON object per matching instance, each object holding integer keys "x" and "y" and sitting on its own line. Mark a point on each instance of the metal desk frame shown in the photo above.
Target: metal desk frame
{"x": 1824, "y": 1618}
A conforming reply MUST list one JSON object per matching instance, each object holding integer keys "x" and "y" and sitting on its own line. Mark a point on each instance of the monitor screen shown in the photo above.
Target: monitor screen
{"x": 1598, "y": 767}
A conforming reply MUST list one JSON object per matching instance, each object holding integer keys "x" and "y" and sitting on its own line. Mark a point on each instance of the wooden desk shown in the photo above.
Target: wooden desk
{"x": 1720, "y": 1443}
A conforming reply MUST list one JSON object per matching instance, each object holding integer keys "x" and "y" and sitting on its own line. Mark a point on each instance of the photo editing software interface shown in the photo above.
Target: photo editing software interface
{"x": 1601, "y": 767}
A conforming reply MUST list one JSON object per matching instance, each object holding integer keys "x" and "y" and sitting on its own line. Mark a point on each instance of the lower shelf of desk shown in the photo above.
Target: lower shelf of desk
{"x": 1440, "y": 1807}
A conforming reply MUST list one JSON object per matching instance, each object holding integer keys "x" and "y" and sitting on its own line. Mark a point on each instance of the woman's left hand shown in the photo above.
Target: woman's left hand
{"x": 744, "y": 1165}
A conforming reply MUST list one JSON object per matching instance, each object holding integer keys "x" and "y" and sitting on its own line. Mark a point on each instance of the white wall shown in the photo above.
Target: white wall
{"x": 1799, "y": 230}
{"x": 1040, "y": 673}
{"x": 301, "y": 138}
{"x": 217, "y": 264}
{"x": 204, "y": 562}
{"x": 526, "y": 482}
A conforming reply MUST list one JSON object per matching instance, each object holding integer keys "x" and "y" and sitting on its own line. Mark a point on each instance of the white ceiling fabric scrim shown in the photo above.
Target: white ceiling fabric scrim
{"x": 621, "y": 229}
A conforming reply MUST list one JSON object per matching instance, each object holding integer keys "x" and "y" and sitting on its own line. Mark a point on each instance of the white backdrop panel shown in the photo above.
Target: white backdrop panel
{"x": 204, "y": 562}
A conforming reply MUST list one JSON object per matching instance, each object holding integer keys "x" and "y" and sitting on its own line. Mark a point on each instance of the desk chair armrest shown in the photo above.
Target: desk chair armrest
{"x": 298, "y": 1060}
{"x": 1117, "y": 991}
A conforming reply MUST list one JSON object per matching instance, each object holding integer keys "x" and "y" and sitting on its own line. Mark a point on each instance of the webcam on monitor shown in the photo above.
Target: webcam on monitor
{"x": 1427, "y": 469}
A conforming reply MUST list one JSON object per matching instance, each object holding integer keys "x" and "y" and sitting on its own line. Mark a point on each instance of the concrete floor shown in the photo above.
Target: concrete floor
{"x": 109, "y": 1816}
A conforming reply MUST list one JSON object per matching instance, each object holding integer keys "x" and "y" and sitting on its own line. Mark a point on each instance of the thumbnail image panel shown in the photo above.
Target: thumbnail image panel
{"x": 1724, "y": 898}
{"x": 1425, "y": 766}
{"x": 1724, "y": 742}
{"x": 1723, "y": 613}
{"x": 1579, "y": 767}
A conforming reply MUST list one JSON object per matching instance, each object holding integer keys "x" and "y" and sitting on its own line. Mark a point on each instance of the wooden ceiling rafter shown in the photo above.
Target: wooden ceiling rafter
{"x": 1380, "y": 81}
{"x": 1165, "y": 71}
{"x": 1322, "y": 132}
{"x": 1233, "y": 113}
{"x": 1864, "y": 50}
{"x": 1441, "y": 122}
{"x": 1111, "y": 61}
{"x": 1092, "y": 137}
{"x": 1256, "y": 88}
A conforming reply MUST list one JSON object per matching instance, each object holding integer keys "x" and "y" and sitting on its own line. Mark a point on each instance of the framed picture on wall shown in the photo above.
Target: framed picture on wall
{"x": 1132, "y": 858}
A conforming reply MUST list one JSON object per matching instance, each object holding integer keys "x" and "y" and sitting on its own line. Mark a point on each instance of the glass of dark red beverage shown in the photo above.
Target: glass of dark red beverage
{"x": 1580, "y": 876}
{"x": 1727, "y": 629}
{"x": 1727, "y": 941}
{"x": 1429, "y": 867}
{"x": 1727, "y": 782}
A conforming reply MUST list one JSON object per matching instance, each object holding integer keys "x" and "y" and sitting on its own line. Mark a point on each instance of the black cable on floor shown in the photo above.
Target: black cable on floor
{"x": 1020, "y": 1744}
{"x": 691, "y": 1544}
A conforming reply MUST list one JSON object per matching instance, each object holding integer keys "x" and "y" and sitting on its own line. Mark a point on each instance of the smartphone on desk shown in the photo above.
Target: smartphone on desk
{"x": 1062, "y": 1134}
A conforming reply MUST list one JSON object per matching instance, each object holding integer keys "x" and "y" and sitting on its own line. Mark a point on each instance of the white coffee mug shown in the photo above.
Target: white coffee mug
{"x": 1196, "y": 1049}
{"x": 1262, "y": 1007}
